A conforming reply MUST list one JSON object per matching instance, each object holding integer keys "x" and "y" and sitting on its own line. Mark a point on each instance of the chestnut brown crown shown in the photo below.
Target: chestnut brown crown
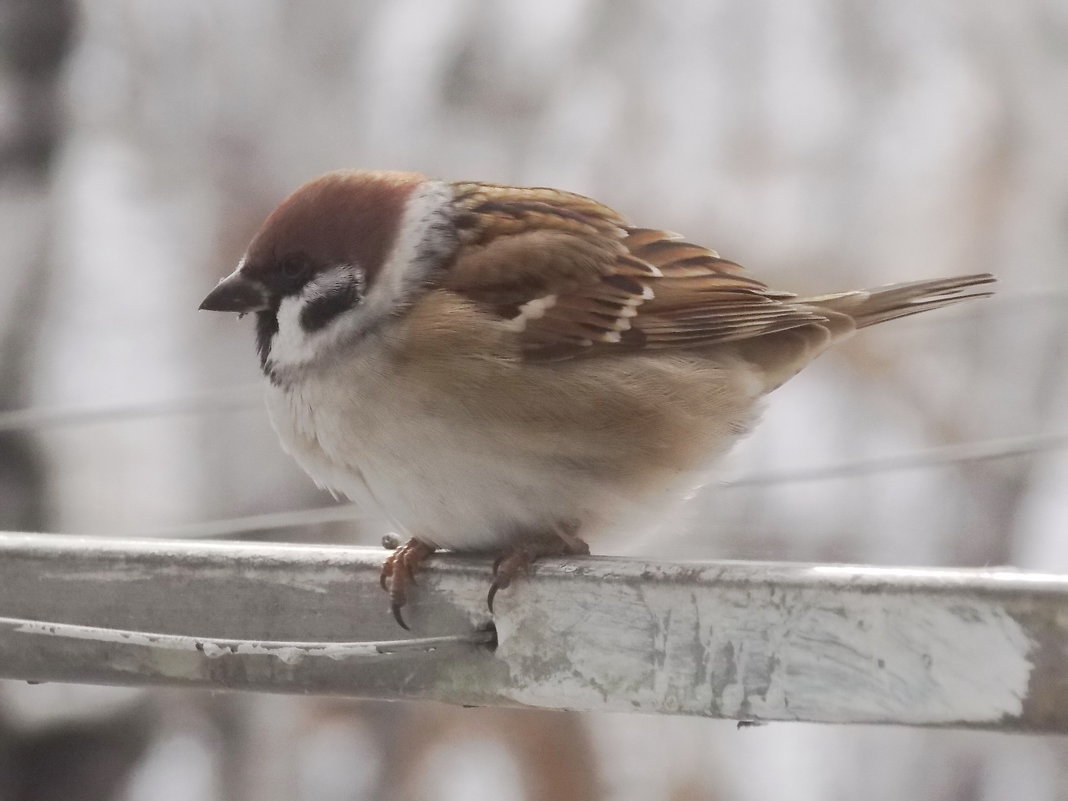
{"x": 345, "y": 217}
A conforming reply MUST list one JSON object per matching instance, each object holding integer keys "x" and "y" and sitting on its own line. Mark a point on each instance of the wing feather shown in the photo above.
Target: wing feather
{"x": 571, "y": 278}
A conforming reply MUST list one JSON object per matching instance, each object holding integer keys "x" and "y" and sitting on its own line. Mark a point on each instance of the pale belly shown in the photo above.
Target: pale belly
{"x": 506, "y": 454}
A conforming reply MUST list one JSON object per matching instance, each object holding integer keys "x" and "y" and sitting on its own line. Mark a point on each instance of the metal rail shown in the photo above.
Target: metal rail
{"x": 749, "y": 641}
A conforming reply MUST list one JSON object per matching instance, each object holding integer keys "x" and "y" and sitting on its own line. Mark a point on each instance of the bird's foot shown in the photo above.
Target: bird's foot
{"x": 398, "y": 572}
{"x": 524, "y": 553}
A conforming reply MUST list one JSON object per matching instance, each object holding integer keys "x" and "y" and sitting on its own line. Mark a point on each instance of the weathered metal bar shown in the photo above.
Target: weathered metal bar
{"x": 755, "y": 641}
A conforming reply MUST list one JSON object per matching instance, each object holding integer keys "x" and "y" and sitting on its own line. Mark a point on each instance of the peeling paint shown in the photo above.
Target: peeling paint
{"x": 767, "y": 652}
{"x": 760, "y": 641}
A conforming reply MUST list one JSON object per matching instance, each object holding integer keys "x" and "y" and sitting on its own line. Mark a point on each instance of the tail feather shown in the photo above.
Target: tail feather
{"x": 781, "y": 355}
{"x": 871, "y": 306}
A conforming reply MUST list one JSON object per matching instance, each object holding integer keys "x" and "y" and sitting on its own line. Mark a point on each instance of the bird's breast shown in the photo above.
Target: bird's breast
{"x": 473, "y": 454}
{"x": 440, "y": 465}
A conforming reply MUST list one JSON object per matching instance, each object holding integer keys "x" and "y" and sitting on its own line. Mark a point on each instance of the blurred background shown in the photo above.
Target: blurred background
{"x": 827, "y": 144}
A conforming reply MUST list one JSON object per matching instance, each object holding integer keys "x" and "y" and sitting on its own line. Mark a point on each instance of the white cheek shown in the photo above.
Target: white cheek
{"x": 423, "y": 242}
{"x": 292, "y": 344}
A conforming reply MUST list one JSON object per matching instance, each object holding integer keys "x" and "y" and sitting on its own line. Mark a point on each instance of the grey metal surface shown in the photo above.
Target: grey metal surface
{"x": 758, "y": 641}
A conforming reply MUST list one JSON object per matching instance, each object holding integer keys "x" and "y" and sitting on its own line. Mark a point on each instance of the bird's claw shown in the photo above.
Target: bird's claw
{"x": 400, "y": 568}
{"x": 398, "y": 571}
{"x": 395, "y": 607}
{"x": 499, "y": 583}
{"x": 522, "y": 555}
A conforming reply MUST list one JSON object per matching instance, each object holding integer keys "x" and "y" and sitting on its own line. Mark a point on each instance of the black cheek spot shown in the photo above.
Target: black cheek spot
{"x": 320, "y": 311}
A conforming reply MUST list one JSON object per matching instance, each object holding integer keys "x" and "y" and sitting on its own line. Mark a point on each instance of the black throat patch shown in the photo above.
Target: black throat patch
{"x": 266, "y": 328}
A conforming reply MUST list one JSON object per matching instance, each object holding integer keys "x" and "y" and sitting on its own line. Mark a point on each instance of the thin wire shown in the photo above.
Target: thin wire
{"x": 264, "y": 522}
{"x": 40, "y": 418}
{"x": 289, "y": 652}
{"x": 247, "y": 397}
{"x": 942, "y": 456}
{"x": 982, "y": 450}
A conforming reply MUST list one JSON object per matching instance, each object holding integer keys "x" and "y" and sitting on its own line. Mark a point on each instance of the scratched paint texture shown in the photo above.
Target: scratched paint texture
{"x": 768, "y": 651}
{"x": 771, "y": 653}
{"x": 738, "y": 640}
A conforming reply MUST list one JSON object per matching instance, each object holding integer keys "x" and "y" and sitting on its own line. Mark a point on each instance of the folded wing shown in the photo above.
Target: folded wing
{"x": 573, "y": 279}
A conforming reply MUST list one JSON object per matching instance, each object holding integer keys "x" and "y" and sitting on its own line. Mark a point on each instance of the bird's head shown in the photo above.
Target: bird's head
{"x": 337, "y": 259}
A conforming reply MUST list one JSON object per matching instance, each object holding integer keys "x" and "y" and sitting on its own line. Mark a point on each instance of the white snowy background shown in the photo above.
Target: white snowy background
{"x": 826, "y": 144}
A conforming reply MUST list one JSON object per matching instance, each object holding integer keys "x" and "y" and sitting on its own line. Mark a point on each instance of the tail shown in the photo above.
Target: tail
{"x": 781, "y": 355}
{"x": 871, "y": 306}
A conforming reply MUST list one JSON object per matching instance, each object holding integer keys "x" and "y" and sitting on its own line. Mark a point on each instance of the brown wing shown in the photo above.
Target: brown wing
{"x": 701, "y": 299}
{"x": 572, "y": 278}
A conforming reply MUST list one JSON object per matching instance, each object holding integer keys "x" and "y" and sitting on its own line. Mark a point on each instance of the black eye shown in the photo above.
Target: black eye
{"x": 294, "y": 266}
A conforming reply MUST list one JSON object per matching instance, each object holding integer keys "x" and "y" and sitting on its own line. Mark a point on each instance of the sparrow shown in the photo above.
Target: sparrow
{"x": 511, "y": 369}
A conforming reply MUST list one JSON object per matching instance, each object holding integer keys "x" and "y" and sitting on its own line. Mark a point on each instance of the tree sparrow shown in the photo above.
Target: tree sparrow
{"x": 500, "y": 369}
